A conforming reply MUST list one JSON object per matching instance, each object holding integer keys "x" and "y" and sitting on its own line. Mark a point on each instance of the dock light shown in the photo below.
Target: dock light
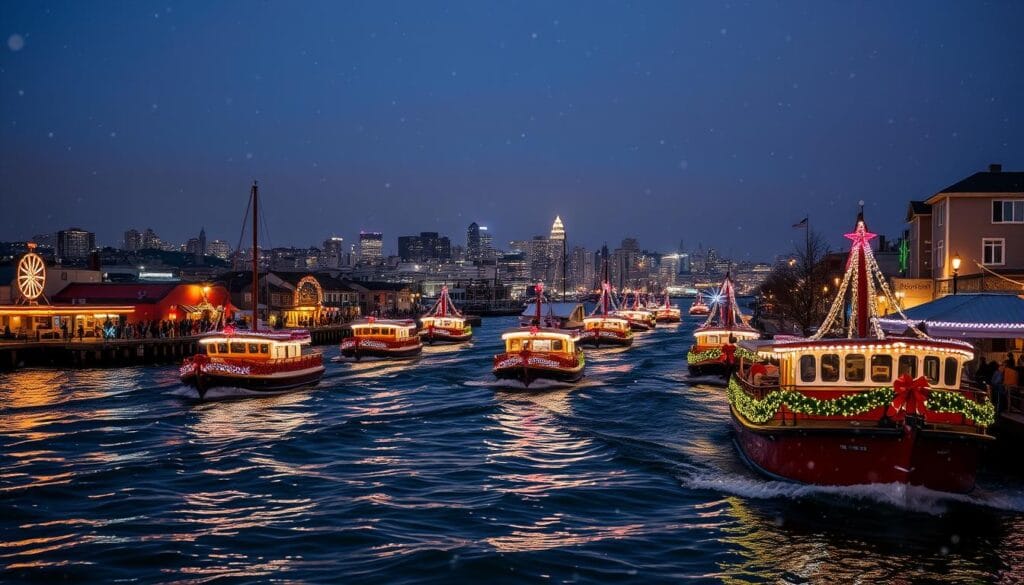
{"x": 956, "y": 271}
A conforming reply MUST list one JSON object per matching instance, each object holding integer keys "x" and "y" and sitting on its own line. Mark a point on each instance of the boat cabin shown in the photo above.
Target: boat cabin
{"x": 541, "y": 341}
{"x": 716, "y": 336}
{"x": 444, "y": 322}
{"x": 865, "y": 362}
{"x": 605, "y": 324}
{"x": 395, "y": 330}
{"x": 250, "y": 348}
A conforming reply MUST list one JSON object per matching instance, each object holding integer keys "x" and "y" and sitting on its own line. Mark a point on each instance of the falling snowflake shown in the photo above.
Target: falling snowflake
{"x": 15, "y": 42}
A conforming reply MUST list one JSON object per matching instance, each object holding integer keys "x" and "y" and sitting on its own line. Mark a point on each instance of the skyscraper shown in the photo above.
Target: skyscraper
{"x": 202, "y": 241}
{"x": 219, "y": 248}
{"x": 151, "y": 241}
{"x": 371, "y": 247}
{"x": 132, "y": 240}
{"x": 557, "y": 253}
{"x": 486, "y": 246}
{"x": 75, "y": 243}
{"x": 473, "y": 243}
{"x": 332, "y": 252}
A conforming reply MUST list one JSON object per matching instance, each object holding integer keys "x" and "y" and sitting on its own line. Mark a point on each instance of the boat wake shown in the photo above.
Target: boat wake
{"x": 897, "y": 495}
{"x": 228, "y": 393}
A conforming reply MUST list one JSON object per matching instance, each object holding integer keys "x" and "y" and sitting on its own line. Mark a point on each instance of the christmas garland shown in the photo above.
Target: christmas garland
{"x": 744, "y": 353}
{"x": 703, "y": 356}
{"x": 761, "y": 411}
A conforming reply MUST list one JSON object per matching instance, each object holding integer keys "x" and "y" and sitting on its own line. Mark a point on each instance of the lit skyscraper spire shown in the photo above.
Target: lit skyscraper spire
{"x": 557, "y": 229}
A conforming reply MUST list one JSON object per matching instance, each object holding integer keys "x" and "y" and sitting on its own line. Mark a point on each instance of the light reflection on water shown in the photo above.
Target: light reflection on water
{"x": 419, "y": 471}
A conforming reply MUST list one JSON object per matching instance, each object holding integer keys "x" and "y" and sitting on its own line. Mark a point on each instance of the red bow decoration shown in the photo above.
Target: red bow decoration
{"x": 729, "y": 351}
{"x": 910, "y": 394}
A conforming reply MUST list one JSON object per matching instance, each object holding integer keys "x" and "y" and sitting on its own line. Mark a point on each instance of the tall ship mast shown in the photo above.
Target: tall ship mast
{"x": 260, "y": 361}
{"x": 851, "y": 405}
{"x": 444, "y": 323}
{"x": 713, "y": 350}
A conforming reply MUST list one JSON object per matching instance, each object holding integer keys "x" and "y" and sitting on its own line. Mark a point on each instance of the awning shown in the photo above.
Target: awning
{"x": 965, "y": 316}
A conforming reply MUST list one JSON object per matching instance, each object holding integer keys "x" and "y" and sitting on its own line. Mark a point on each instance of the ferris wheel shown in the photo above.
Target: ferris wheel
{"x": 31, "y": 276}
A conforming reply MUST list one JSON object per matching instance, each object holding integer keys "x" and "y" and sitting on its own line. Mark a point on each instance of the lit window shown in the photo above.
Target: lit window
{"x": 881, "y": 368}
{"x": 807, "y": 373}
{"x": 940, "y": 214}
{"x": 830, "y": 367}
{"x": 952, "y": 367}
{"x": 931, "y": 369}
{"x": 854, "y": 367}
{"x": 992, "y": 251}
{"x": 1008, "y": 211}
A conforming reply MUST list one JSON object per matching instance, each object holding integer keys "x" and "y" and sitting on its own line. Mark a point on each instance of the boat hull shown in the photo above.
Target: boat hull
{"x": 204, "y": 379}
{"x": 528, "y": 369}
{"x": 439, "y": 336}
{"x": 595, "y": 339}
{"x": 710, "y": 369}
{"x": 356, "y": 349}
{"x": 838, "y": 456}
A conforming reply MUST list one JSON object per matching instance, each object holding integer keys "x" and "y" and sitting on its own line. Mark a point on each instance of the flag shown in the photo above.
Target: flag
{"x": 801, "y": 224}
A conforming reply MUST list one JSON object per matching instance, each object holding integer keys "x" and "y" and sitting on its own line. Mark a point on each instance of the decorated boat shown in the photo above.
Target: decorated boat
{"x": 552, "y": 314}
{"x": 714, "y": 348}
{"x": 382, "y": 339}
{"x": 443, "y": 323}
{"x": 699, "y": 308}
{"x": 534, "y": 353}
{"x": 640, "y": 319}
{"x": 666, "y": 312}
{"x": 260, "y": 361}
{"x": 602, "y": 328}
{"x": 863, "y": 408}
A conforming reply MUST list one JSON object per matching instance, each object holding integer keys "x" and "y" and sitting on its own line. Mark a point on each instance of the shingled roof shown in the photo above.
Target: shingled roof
{"x": 995, "y": 180}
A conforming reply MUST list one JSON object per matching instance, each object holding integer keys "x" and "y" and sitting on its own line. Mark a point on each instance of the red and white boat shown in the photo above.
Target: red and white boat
{"x": 699, "y": 308}
{"x": 640, "y": 319}
{"x": 667, "y": 313}
{"x": 260, "y": 361}
{"x": 535, "y": 354}
{"x": 444, "y": 323}
{"x": 382, "y": 339}
{"x": 864, "y": 408}
{"x": 602, "y": 327}
{"x": 712, "y": 353}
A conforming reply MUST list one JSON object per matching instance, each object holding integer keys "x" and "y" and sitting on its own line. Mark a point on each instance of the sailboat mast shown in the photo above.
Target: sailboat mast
{"x": 255, "y": 258}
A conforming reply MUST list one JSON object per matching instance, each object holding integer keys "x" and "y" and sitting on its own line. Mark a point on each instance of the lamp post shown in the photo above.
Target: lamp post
{"x": 956, "y": 271}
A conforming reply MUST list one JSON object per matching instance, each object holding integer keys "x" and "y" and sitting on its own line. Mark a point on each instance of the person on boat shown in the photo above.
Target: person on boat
{"x": 1009, "y": 358}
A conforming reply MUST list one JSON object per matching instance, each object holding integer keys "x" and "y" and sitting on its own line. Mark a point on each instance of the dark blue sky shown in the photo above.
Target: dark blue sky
{"x": 720, "y": 124}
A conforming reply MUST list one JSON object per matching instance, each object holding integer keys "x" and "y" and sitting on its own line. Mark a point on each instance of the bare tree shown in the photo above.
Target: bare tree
{"x": 797, "y": 288}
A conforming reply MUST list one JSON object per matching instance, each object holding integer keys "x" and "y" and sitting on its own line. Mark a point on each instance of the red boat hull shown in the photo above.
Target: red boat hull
{"x": 207, "y": 376}
{"x": 598, "y": 338}
{"x": 357, "y": 349}
{"x": 937, "y": 460}
{"x": 441, "y": 336}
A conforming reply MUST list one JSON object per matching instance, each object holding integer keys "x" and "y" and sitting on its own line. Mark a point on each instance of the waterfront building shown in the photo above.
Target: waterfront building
{"x": 75, "y": 244}
{"x": 132, "y": 240}
{"x": 219, "y": 249}
{"x": 151, "y": 241}
{"x": 371, "y": 247}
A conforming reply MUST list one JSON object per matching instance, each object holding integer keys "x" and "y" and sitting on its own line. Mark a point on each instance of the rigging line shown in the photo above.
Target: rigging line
{"x": 993, "y": 273}
{"x": 241, "y": 235}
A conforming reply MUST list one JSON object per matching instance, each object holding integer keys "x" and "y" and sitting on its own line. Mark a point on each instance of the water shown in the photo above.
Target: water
{"x": 423, "y": 473}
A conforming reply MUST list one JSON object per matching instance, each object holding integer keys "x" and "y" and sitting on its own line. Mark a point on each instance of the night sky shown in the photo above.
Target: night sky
{"x": 720, "y": 124}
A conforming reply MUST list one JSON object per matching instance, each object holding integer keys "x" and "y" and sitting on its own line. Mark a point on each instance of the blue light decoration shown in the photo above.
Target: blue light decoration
{"x": 110, "y": 332}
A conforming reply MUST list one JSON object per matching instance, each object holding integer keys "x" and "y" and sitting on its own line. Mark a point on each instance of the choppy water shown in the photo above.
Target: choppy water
{"x": 419, "y": 474}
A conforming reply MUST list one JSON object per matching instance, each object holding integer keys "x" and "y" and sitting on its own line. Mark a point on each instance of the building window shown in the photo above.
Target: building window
{"x": 940, "y": 214}
{"x": 1008, "y": 211}
{"x": 940, "y": 254}
{"x": 992, "y": 251}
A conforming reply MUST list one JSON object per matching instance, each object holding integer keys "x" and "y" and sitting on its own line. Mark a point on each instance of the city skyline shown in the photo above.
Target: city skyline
{"x": 623, "y": 120}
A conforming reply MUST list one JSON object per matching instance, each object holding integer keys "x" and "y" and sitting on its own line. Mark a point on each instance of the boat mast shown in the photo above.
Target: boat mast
{"x": 255, "y": 258}
{"x": 539, "y": 289}
{"x": 862, "y": 279}
{"x": 727, "y": 317}
{"x": 444, "y": 301}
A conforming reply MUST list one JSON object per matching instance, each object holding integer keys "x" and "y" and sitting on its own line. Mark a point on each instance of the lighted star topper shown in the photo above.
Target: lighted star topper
{"x": 860, "y": 237}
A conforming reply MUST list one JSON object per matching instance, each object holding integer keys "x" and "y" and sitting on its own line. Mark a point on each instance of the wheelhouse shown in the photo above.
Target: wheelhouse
{"x": 254, "y": 348}
{"x": 380, "y": 330}
{"x": 605, "y": 324}
{"x": 539, "y": 342}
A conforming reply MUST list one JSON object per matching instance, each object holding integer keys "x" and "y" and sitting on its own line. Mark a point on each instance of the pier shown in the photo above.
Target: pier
{"x": 115, "y": 353}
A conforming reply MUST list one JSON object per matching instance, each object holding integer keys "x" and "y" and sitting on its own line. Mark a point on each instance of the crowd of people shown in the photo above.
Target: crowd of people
{"x": 998, "y": 376}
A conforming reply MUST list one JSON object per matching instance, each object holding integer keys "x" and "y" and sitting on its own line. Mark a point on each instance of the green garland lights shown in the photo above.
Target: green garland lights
{"x": 744, "y": 353}
{"x": 982, "y": 413}
{"x": 761, "y": 411}
{"x": 703, "y": 356}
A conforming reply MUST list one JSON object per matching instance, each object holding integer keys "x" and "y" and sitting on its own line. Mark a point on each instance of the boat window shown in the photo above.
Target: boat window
{"x": 712, "y": 339}
{"x": 854, "y": 367}
{"x": 931, "y": 369}
{"x": 222, "y": 348}
{"x": 541, "y": 345}
{"x": 830, "y": 367}
{"x": 952, "y": 368}
{"x": 908, "y": 366}
{"x": 556, "y": 345}
{"x": 237, "y": 348}
{"x": 375, "y": 331}
{"x": 254, "y": 348}
{"x": 264, "y": 348}
{"x": 807, "y": 373}
{"x": 514, "y": 345}
{"x": 208, "y": 348}
{"x": 881, "y": 368}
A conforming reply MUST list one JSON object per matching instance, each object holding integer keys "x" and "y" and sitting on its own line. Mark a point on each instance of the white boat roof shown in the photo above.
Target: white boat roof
{"x": 538, "y": 332}
{"x": 790, "y": 345}
{"x": 385, "y": 323}
{"x": 247, "y": 336}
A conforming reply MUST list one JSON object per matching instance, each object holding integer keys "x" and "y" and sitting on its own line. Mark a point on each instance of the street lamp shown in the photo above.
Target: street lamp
{"x": 956, "y": 270}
